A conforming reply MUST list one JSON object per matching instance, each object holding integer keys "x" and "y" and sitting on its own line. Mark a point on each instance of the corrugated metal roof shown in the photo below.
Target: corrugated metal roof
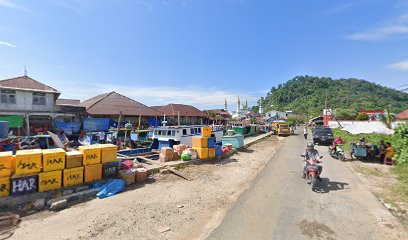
{"x": 114, "y": 103}
{"x": 184, "y": 110}
{"x": 26, "y": 83}
{"x": 402, "y": 115}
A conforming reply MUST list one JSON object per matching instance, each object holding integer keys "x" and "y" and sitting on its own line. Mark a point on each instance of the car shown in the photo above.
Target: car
{"x": 322, "y": 135}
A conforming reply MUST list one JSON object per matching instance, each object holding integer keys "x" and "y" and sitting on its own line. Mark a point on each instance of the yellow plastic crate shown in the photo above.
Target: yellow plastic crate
{"x": 109, "y": 153}
{"x": 28, "y": 161}
{"x": 91, "y": 154}
{"x": 48, "y": 181}
{"x": 211, "y": 152}
{"x": 6, "y": 164}
{"x": 199, "y": 142}
{"x": 206, "y": 132}
{"x": 93, "y": 173}
{"x": 73, "y": 176}
{"x": 73, "y": 159}
{"x": 202, "y": 153}
{"x": 53, "y": 159}
{"x": 4, "y": 186}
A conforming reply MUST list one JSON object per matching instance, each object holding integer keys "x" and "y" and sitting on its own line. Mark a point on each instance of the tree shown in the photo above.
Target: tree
{"x": 345, "y": 114}
{"x": 362, "y": 117}
{"x": 306, "y": 95}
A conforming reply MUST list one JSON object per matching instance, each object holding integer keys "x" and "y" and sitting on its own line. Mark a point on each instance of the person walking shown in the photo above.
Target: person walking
{"x": 305, "y": 132}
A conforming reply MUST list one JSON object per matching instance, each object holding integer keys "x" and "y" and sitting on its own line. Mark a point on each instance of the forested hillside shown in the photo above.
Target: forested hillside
{"x": 306, "y": 95}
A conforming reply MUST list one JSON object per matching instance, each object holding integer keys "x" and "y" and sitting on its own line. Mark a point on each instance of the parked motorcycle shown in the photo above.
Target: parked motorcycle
{"x": 337, "y": 152}
{"x": 311, "y": 170}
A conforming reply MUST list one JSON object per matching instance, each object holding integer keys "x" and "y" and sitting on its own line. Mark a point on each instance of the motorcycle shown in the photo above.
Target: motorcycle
{"x": 337, "y": 152}
{"x": 311, "y": 170}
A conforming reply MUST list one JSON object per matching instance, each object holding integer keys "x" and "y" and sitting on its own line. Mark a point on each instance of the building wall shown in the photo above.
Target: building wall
{"x": 24, "y": 102}
{"x": 273, "y": 113}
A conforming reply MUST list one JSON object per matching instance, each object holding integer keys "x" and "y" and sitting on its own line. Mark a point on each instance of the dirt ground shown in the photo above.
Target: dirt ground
{"x": 165, "y": 207}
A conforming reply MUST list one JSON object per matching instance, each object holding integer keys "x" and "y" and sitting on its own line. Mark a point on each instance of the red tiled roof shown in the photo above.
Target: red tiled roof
{"x": 114, "y": 103}
{"x": 402, "y": 115}
{"x": 374, "y": 111}
{"x": 26, "y": 83}
{"x": 175, "y": 109}
{"x": 71, "y": 102}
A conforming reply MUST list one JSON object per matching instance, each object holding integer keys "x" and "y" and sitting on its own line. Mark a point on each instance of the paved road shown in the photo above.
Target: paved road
{"x": 280, "y": 204}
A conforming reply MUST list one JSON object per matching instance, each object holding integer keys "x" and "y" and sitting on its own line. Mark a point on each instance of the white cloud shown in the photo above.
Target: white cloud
{"x": 201, "y": 97}
{"x": 11, "y": 4}
{"x": 398, "y": 28}
{"x": 400, "y": 65}
{"x": 7, "y": 44}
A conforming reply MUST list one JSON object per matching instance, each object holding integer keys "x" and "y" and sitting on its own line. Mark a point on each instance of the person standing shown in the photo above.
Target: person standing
{"x": 305, "y": 132}
{"x": 383, "y": 148}
{"x": 101, "y": 137}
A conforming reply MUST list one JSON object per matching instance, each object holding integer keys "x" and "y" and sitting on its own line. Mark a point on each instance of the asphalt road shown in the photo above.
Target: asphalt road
{"x": 281, "y": 205}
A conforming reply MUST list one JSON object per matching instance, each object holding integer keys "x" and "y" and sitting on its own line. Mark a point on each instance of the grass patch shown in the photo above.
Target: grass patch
{"x": 400, "y": 190}
{"x": 370, "y": 171}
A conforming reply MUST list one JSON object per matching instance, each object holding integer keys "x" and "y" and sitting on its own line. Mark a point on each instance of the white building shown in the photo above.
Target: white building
{"x": 274, "y": 115}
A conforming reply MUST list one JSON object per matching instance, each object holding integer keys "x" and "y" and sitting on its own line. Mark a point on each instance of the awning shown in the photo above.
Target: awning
{"x": 15, "y": 121}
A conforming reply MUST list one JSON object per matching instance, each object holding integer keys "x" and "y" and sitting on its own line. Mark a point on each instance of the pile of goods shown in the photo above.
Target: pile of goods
{"x": 131, "y": 174}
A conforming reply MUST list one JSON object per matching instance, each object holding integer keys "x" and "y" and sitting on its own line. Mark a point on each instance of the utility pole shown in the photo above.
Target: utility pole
{"x": 326, "y": 122}
{"x": 178, "y": 118}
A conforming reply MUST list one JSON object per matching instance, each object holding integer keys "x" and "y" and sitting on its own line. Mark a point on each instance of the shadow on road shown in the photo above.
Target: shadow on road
{"x": 245, "y": 150}
{"x": 325, "y": 186}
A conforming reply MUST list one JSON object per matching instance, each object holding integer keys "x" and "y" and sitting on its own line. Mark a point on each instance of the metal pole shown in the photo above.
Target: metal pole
{"x": 28, "y": 124}
{"x": 178, "y": 118}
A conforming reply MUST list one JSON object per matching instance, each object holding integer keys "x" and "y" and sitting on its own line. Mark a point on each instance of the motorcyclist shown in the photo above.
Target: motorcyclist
{"x": 336, "y": 142}
{"x": 312, "y": 153}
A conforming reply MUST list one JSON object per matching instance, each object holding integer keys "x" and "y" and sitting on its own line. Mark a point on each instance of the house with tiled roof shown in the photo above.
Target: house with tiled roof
{"x": 33, "y": 104}
{"x": 185, "y": 114}
{"x": 402, "y": 115}
{"x": 112, "y": 105}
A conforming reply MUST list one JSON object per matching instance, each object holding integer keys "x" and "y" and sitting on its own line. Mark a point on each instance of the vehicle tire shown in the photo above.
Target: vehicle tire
{"x": 352, "y": 156}
{"x": 313, "y": 182}
{"x": 341, "y": 156}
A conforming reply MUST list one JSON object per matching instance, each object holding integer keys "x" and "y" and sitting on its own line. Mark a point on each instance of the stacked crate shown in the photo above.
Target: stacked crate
{"x": 200, "y": 144}
{"x": 74, "y": 170}
{"x": 109, "y": 159}
{"x": 53, "y": 162}
{"x": 211, "y": 147}
{"x": 204, "y": 145}
{"x": 28, "y": 165}
{"x": 5, "y": 172}
{"x": 91, "y": 159}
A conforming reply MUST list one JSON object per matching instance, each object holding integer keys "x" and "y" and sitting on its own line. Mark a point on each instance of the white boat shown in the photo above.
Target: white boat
{"x": 173, "y": 135}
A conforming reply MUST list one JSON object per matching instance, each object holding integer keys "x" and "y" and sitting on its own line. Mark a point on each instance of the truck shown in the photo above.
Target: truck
{"x": 280, "y": 128}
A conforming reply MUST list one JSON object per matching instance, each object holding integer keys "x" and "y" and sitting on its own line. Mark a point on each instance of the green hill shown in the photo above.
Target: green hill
{"x": 306, "y": 95}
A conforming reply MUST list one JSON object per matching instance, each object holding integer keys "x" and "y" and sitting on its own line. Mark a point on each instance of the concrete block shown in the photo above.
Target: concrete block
{"x": 82, "y": 188}
{"x": 59, "y": 205}
{"x": 39, "y": 204}
{"x": 67, "y": 192}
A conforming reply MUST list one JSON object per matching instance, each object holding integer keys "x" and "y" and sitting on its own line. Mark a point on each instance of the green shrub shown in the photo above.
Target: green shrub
{"x": 362, "y": 117}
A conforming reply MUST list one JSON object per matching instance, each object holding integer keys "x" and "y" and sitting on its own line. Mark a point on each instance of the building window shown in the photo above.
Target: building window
{"x": 8, "y": 96}
{"x": 38, "y": 98}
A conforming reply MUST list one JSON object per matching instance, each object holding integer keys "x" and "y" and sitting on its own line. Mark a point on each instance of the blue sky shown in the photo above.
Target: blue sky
{"x": 200, "y": 51}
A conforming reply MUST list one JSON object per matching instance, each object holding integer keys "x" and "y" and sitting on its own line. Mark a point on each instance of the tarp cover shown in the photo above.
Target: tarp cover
{"x": 15, "y": 121}
{"x": 111, "y": 188}
{"x": 97, "y": 124}
{"x": 69, "y": 128}
{"x": 368, "y": 127}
